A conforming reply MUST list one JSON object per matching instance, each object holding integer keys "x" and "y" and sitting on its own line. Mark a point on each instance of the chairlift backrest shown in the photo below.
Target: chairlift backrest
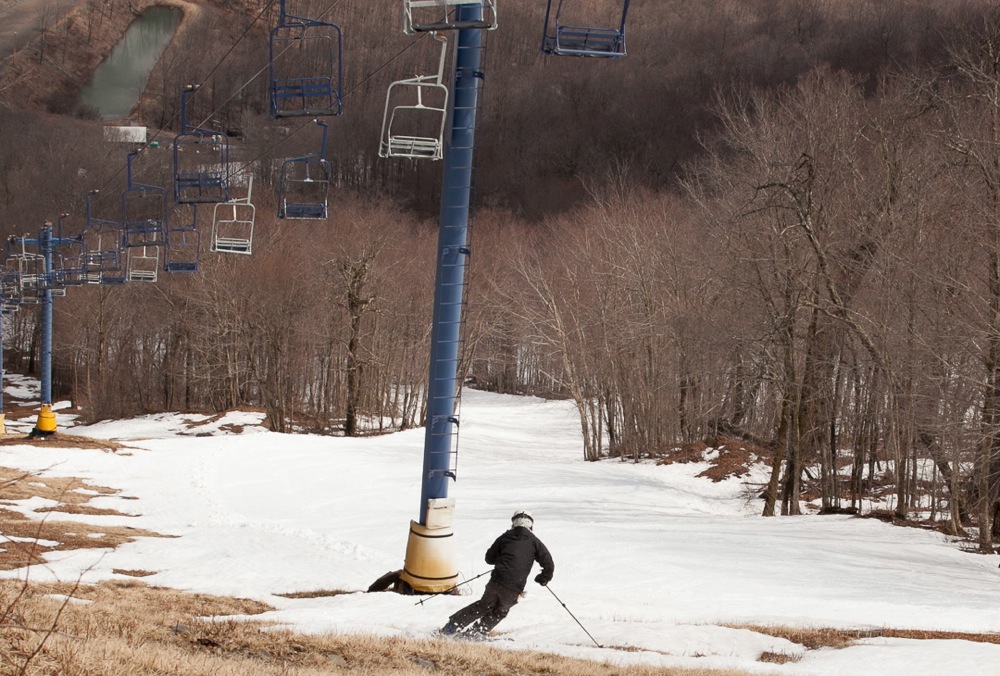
{"x": 422, "y": 16}
{"x": 305, "y": 67}
{"x": 416, "y": 110}
{"x": 573, "y": 29}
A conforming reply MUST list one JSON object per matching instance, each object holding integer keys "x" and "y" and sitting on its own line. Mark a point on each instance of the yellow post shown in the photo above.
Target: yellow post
{"x": 3, "y": 423}
{"x": 46, "y": 421}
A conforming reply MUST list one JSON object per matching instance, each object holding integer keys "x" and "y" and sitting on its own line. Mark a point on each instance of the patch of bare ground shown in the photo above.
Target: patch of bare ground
{"x": 232, "y": 428}
{"x": 319, "y": 593}
{"x": 62, "y": 441}
{"x": 727, "y": 457}
{"x": 118, "y": 628}
{"x": 25, "y": 541}
{"x": 133, "y": 573}
{"x": 815, "y": 638}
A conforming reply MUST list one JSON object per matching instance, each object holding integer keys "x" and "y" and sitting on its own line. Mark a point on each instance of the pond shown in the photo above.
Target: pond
{"x": 121, "y": 78}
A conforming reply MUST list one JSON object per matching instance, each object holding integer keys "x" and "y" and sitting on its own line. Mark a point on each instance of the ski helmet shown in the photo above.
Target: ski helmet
{"x": 522, "y": 517}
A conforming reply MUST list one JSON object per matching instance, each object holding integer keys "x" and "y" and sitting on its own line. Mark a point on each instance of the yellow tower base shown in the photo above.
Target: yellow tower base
{"x": 46, "y": 423}
{"x": 430, "y": 566}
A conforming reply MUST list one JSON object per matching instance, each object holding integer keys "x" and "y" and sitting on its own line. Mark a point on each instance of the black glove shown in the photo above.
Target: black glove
{"x": 540, "y": 579}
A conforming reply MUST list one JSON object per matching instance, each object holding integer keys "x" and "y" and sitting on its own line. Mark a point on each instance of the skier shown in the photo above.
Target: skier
{"x": 511, "y": 555}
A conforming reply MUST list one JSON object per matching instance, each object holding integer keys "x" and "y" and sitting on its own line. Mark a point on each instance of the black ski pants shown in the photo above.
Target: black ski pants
{"x": 489, "y": 610}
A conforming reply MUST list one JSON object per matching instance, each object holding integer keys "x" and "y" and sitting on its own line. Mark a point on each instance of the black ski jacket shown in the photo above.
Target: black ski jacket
{"x": 512, "y": 555}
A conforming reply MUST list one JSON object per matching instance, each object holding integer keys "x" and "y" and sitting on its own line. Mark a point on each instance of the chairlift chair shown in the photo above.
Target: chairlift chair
{"x": 28, "y": 265}
{"x": 68, "y": 270}
{"x": 422, "y": 16}
{"x": 143, "y": 264}
{"x": 102, "y": 252}
{"x": 183, "y": 246}
{"x": 305, "y": 67}
{"x": 10, "y": 284}
{"x": 416, "y": 111}
{"x": 232, "y": 224}
{"x": 28, "y": 279}
{"x": 566, "y": 34}
{"x": 144, "y": 212}
{"x": 103, "y": 255}
{"x": 304, "y": 184}
{"x": 201, "y": 160}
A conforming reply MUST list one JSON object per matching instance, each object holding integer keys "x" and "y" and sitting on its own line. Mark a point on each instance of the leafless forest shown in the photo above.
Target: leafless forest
{"x": 775, "y": 219}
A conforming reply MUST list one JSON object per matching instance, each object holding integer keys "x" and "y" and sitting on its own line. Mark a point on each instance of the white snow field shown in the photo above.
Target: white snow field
{"x": 651, "y": 560}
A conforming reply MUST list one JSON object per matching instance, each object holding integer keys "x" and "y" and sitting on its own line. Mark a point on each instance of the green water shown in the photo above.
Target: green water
{"x": 121, "y": 78}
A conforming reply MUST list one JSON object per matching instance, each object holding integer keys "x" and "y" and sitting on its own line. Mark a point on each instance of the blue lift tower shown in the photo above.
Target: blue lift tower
{"x": 46, "y": 286}
{"x": 430, "y": 565}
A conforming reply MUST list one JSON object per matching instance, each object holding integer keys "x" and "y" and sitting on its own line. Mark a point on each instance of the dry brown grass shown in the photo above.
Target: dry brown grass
{"x": 119, "y": 628}
{"x": 825, "y": 637}
{"x": 25, "y": 540}
{"x": 734, "y": 457}
{"x": 61, "y": 440}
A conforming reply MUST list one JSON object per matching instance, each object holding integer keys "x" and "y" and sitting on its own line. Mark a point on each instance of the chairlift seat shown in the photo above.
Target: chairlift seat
{"x": 587, "y": 41}
{"x": 304, "y": 96}
{"x": 200, "y": 186}
{"x": 415, "y": 147}
{"x": 149, "y": 232}
{"x": 304, "y": 210}
{"x": 142, "y": 275}
{"x": 231, "y": 245}
{"x": 180, "y": 266}
{"x": 107, "y": 278}
{"x": 422, "y": 16}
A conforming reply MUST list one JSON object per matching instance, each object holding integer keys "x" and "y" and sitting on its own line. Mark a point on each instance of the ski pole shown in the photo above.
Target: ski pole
{"x": 573, "y": 616}
{"x": 448, "y": 591}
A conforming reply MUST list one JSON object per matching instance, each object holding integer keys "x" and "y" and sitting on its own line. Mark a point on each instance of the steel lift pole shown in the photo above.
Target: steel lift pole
{"x": 430, "y": 565}
{"x": 3, "y": 415}
{"x": 46, "y": 423}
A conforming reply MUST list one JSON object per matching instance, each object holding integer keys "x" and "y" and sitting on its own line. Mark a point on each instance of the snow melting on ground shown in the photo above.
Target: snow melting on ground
{"x": 653, "y": 561}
